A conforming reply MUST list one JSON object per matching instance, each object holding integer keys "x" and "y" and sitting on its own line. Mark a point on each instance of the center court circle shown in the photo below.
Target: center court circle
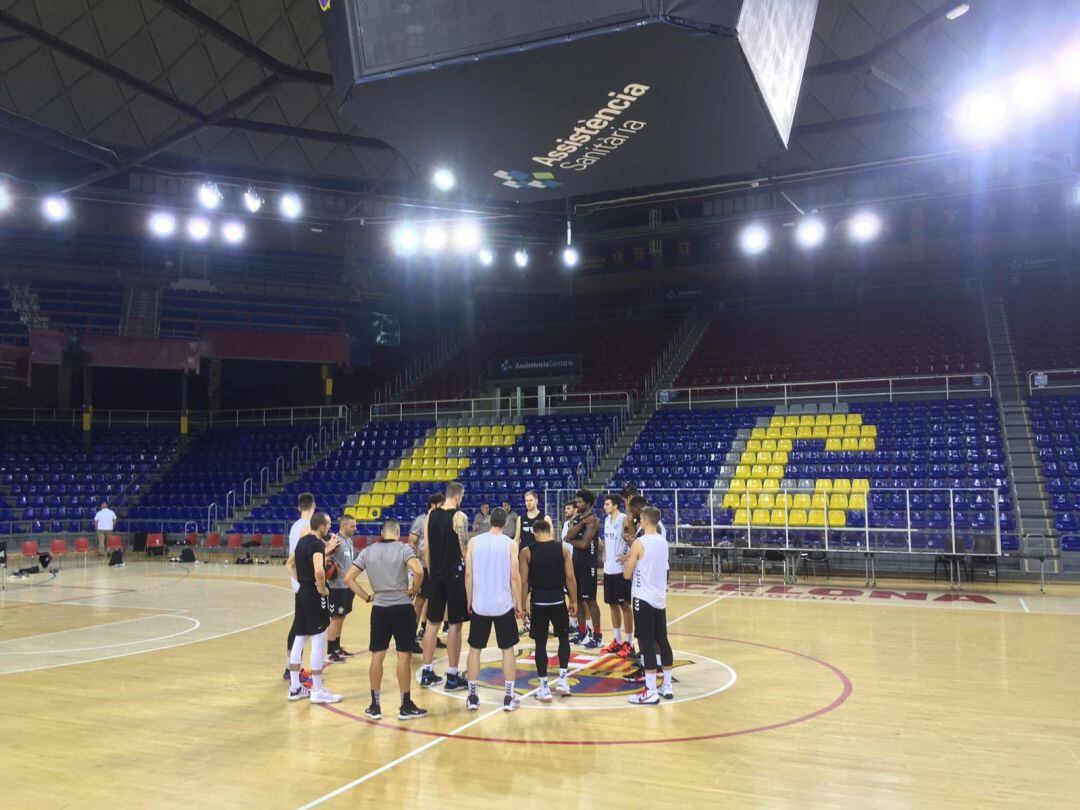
{"x": 596, "y": 680}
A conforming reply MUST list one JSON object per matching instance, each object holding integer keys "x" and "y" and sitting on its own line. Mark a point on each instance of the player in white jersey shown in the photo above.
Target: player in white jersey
{"x": 305, "y": 504}
{"x": 616, "y": 588}
{"x": 647, "y": 570}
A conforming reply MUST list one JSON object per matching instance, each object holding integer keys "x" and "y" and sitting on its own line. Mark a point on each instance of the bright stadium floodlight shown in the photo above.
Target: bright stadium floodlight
{"x": 290, "y": 206}
{"x": 55, "y": 209}
{"x": 957, "y": 11}
{"x": 753, "y": 239}
{"x": 486, "y": 256}
{"x": 252, "y": 201}
{"x": 198, "y": 229}
{"x": 162, "y": 224}
{"x": 209, "y": 195}
{"x": 443, "y": 179}
{"x": 982, "y": 114}
{"x": 233, "y": 232}
{"x": 5, "y": 199}
{"x": 521, "y": 258}
{"x": 1068, "y": 67}
{"x": 810, "y": 232}
{"x": 405, "y": 239}
{"x": 570, "y": 256}
{"x": 434, "y": 238}
{"x": 1032, "y": 90}
{"x": 467, "y": 236}
{"x": 865, "y": 226}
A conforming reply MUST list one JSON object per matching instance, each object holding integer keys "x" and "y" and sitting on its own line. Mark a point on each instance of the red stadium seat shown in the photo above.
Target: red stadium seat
{"x": 30, "y": 549}
{"x": 191, "y": 539}
{"x": 235, "y": 541}
{"x": 277, "y": 543}
{"x": 82, "y": 546}
{"x": 154, "y": 540}
{"x": 211, "y": 542}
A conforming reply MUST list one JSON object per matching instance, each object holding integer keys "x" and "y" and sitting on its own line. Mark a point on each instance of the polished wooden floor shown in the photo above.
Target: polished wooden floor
{"x": 160, "y": 686}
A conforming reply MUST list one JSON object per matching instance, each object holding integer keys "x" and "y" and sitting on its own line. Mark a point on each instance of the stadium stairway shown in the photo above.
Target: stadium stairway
{"x": 25, "y": 302}
{"x": 644, "y": 409}
{"x": 141, "y": 312}
{"x": 1025, "y": 469}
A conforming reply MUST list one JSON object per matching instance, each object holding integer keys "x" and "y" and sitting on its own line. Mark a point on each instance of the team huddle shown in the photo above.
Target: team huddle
{"x": 513, "y": 569}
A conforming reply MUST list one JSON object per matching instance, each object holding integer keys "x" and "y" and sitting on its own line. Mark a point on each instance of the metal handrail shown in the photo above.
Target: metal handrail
{"x": 279, "y": 469}
{"x": 212, "y": 509}
{"x": 110, "y": 417}
{"x": 490, "y": 406}
{"x": 230, "y": 498}
{"x": 247, "y": 492}
{"x": 1032, "y": 387}
{"x": 264, "y": 479}
{"x": 294, "y": 458}
{"x": 786, "y": 392}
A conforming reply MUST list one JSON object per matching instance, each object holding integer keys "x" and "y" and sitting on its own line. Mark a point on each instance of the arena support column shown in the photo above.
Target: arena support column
{"x": 184, "y": 411}
{"x": 328, "y": 384}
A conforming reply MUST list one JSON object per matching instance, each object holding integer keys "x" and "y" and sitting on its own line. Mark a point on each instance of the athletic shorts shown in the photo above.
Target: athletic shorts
{"x": 616, "y": 589}
{"x": 397, "y": 622}
{"x": 586, "y": 581}
{"x": 425, "y": 586}
{"x": 447, "y": 599}
{"x": 557, "y": 615}
{"x": 341, "y": 600}
{"x": 506, "y": 630}
{"x": 649, "y": 621}
{"x": 312, "y": 612}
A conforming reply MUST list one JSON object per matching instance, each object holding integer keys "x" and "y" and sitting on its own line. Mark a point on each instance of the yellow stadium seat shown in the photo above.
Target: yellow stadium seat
{"x": 776, "y": 471}
{"x": 778, "y": 517}
{"x": 753, "y": 444}
{"x": 364, "y": 500}
{"x": 485, "y": 441}
{"x": 769, "y": 444}
{"x": 760, "y": 517}
{"x": 867, "y": 443}
{"x": 804, "y": 432}
{"x": 868, "y": 430}
{"x": 819, "y": 500}
{"x": 428, "y": 474}
{"x": 806, "y": 419}
{"x": 780, "y": 457}
{"x": 771, "y": 485}
{"x": 783, "y": 500}
{"x": 853, "y": 419}
{"x": 441, "y": 431}
{"x": 776, "y": 421}
{"x": 838, "y": 500}
{"x": 766, "y": 500}
{"x": 821, "y": 419}
{"x": 851, "y": 430}
{"x": 851, "y": 444}
{"x": 748, "y": 457}
{"x": 742, "y": 471}
{"x": 485, "y": 430}
{"x": 815, "y": 518}
{"x": 801, "y": 501}
{"x": 797, "y": 517}
{"x": 759, "y": 471}
{"x": 837, "y": 517}
{"x": 441, "y": 441}
{"x": 380, "y": 487}
{"x": 784, "y": 445}
{"x": 834, "y": 445}
{"x": 757, "y": 433}
{"x": 823, "y": 485}
{"x": 731, "y": 501}
{"x": 857, "y": 500}
{"x": 791, "y": 421}
{"x": 838, "y": 419}
{"x": 742, "y": 517}
{"x": 841, "y": 485}
{"x": 774, "y": 433}
{"x": 753, "y": 485}
{"x": 374, "y": 513}
{"x": 748, "y": 500}
{"x": 393, "y": 475}
{"x": 860, "y": 485}
{"x": 790, "y": 433}
{"x": 836, "y": 432}
{"x": 765, "y": 457}
{"x": 401, "y": 487}
{"x": 737, "y": 485}
{"x": 820, "y": 432}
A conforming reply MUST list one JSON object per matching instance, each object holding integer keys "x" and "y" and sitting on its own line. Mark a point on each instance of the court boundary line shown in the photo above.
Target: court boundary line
{"x": 1024, "y": 605}
{"x": 195, "y": 626}
{"x": 449, "y": 735}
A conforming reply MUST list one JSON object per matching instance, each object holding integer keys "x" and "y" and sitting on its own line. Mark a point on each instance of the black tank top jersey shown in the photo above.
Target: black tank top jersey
{"x": 528, "y": 539}
{"x": 547, "y": 576}
{"x": 306, "y": 549}
{"x": 585, "y": 557}
{"x": 444, "y": 547}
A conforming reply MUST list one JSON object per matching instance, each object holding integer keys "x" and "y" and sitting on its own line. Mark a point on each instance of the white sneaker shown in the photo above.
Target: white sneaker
{"x": 562, "y": 688}
{"x": 324, "y": 695}
{"x": 543, "y": 694}
{"x": 299, "y": 693}
{"x": 511, "y": 703}
{"x": 667, "y": 693}
{"x": 644, "y": 698}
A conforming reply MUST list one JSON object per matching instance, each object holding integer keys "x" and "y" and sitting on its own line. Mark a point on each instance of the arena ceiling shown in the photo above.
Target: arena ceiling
{"x": 241, "y": 88}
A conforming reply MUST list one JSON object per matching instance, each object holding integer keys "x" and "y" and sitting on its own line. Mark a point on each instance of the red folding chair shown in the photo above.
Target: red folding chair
{"x": 191, "y": 539}
{"x": 212, "y": 542}
{"x": 58, "y": 548}
{"x": 30, "y": 549}
{"x": 277, "y": 543}
{"x": 82, "y": 546}
{"x": 155, "y": 540}
{"x": 112, "y": 543}
{"x": 234, "y": 542}
{"x": 254, "y": 543}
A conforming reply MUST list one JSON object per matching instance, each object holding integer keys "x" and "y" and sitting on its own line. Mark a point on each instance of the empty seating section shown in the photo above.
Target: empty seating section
{"x": 12, "y": 329}
{"x": 863, "y": 339}
{"x": 615, "y": 355}
{"x": 884, "y": 466}
{"x": 390, "y": 468}
{"x": 220, "y": 461}
{"x": 185, "y": 313}
{"x": 1045, "y": 329}
{"x": 1055, "y": 421}
{"x": 50, "y": 483}
{"x": 80, "y": 307}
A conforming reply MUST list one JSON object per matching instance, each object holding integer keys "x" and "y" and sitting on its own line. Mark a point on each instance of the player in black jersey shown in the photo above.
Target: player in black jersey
{"x": 526, "y": 539}
{"x": 582, "y": 535}
{"x": 447, "y": 533}
{"x": 312, "y": 619}
{"x": 547, "y": 571}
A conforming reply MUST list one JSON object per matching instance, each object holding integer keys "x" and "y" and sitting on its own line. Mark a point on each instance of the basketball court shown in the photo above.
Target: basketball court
{"x": 160, "y": 684}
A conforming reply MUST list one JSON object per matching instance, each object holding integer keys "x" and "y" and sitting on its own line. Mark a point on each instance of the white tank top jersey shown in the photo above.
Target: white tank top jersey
{"x": 491, "y": 555}
{"x": 650, "y": 574}
{"x": 614, "y": 545}
{"x": 660, "y": 528}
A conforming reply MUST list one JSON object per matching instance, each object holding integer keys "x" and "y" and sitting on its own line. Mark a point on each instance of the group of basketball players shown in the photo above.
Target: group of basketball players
{"x": 512, "y": 570}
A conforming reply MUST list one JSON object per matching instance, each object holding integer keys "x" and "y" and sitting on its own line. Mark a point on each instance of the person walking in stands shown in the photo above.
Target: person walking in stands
{"x": 341, "y": 598}
{"x": 104, "y": 522}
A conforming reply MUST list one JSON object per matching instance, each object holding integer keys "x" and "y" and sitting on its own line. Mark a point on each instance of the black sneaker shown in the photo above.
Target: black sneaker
{"x": 336, "y": 657}
{"x": 416, "y": 649}
{"x": 345, "y": 652}
{"x": 411, "y": 712}
{"x": 428, "y": 679}
{"x": 472, "y": 702}
{"x": 576, "y": 636}
{"x": 637, "y": 676}
{"x": 456, "y": 683}
{"x": 286, "y": 676}
{"x": 373, "y": 712}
